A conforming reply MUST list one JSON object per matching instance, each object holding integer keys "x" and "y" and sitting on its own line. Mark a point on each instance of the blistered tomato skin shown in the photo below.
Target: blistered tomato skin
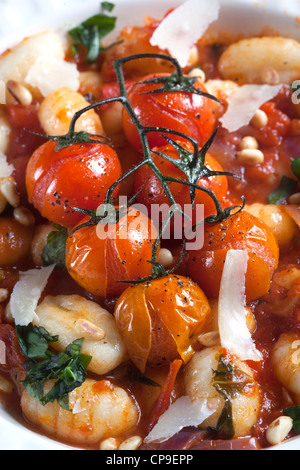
{"x": 188, "y": 113}
{"x": 150, "y": 190}
{"x": 240, "y": 232}
{"x": 15, "y": 240}
{"x": 160, "y": 319}
{"x": 76, "y": 176}
{"x": 98, "y": 261}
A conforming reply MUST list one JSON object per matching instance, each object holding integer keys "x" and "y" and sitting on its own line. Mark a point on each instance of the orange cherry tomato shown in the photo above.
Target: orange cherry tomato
{"x": 77, "y": 176}
{"x": 120, "y": 252}
{"x": 242, "y": 231}
{"x": 160, "y": 319}
{"x": 151, "y": 191}
{"x": 189, "y": 113}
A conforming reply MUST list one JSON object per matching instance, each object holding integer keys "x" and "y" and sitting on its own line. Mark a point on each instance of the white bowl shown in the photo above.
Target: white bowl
{"x": 20, "y": 18}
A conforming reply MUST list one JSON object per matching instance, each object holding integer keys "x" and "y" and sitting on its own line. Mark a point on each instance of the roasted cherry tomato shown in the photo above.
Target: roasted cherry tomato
{"x": 189, "y": 113}
{"x": 151, "y": 192}
{"x": 160, "y": 319}
{"x": 242, "y": 231}
{"x": 77, "y": 176}
{"x": 97, "y": 257}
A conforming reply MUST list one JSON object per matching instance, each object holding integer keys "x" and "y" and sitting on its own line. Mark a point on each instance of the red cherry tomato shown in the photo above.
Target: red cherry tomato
{"x": 152, "y": 191}
{"x": 242, "y": 231}
{"x": 97, "y": 261}
{"x": 159, "y": 320}
{"x": 77, "y": 176}
{"x": 189, "y": 113}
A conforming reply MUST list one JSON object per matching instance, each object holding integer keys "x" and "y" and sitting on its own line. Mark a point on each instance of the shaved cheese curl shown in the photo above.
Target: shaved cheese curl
{"x": 26, "y": 294}
{"x": 51, "y": 73}
{"x": 182, "y": 413}
{"x": 244, "y": 102}
{"x": 232, "y": 315}
{"x": 6, "y": 170}
{"x": 184, "y": 26}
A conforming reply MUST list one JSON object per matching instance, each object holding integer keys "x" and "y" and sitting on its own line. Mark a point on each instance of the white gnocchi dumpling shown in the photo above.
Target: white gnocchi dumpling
{"x": 99, "y": 410}
{"x": 73, "y": 317}
{"x": 198, "y": 384}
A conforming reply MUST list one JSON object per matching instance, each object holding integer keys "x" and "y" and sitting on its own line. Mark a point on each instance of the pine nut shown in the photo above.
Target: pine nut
{"x": 89, "y": 329}
{"x": 209, "y": 339}
{"x": 109, "y": 444}
{"x": 250, "y": 157}
{"x": 133, "y": 443}
{"x": 6, "y": 386}
{"x": 24, "y": 216}
{"x": 21, "y": 94}
{"x": 3, "y": 295}
{"x": 260, "y": 119}
{"x": 165, "y": 257}
{"x": 9, "y": 190}
{"x": 279, "y": 430}
{"x": 198, "y": 73}
{"x": 294, "y": 199}
{"x": 248, "y": 142}
{"x": 270, "y": 76}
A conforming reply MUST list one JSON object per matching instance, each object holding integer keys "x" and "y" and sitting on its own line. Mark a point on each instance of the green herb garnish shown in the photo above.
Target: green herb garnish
{"x": 67, "y": 369}
{"x": 91, "y": 32}
{"x": 286, "y": 187}
{"x": 55, "y": 250}
{"x": 295, "y": 165}
{"x": 229, "y": 381}
{"x": 294, "y": 413}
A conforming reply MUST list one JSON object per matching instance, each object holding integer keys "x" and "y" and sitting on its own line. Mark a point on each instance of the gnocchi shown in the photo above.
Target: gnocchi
{"x": 73, "y": 317}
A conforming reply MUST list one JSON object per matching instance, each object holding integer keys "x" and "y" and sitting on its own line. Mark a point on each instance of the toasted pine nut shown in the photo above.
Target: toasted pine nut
{"x": 109, "y": 444}
{"x": 20, "y": 93}
{"x": 9, "y": 190}
{"x": 6, "y": 385}
{"x": 198, "y": 73}
{"x": 279, "y": 430}
{"x": 166, "y": 257}
{"x": 260, "y": 119}
{"x": 270, "y": 76}
{"x": 24, "y": 216}
{"x": 248, "y": 142}
{"x": 132, "y": 443}
{"x": 8, "y": 315}
{"x": 88, "y": 329}
{"x": 210, "y": 339}
{"x": 3, "y": 295}
{"x": 250, "y": 157}
{"x": 294, "y": 199}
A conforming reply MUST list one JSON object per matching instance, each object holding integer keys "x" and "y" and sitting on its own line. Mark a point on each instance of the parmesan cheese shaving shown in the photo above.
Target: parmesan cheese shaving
{"x": 26, "y": 294}
{"x": 234, "y": 333}
{"x": 6, "y": 170}
{"x": 50, "y": 73}
{"x": 184, "y": 26}
{"x": 181, "y": 414}
{"x": 2, "y": 353}
{"x": 244, "y": 102}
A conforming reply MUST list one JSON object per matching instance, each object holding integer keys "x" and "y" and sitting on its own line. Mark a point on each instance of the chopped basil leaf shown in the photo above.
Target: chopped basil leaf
{"x": 294, "y": 413}
{"x": 55, "y": 250}
{"x": 296, "y": 167}
{"x": 91, "y": 32}
{"x": 68, "y": 369}
{"x": 286, "y": 187}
